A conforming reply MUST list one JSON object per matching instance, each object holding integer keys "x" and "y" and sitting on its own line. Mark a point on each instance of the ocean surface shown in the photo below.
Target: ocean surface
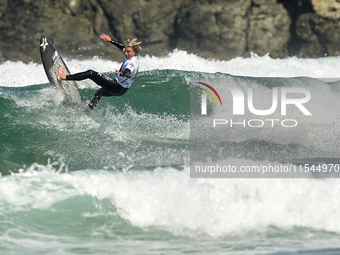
{"x": 116, "y": 180}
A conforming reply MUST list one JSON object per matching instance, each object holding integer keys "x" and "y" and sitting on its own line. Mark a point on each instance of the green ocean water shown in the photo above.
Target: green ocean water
{"x": 147, "y": 127}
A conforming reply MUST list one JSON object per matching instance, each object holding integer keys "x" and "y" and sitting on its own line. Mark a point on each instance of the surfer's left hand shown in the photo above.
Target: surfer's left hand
{"x": 105, "y": 37}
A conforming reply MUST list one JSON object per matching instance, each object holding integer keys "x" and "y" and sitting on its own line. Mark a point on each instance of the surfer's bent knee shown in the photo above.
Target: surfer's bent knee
{"x": 90, "y": 72}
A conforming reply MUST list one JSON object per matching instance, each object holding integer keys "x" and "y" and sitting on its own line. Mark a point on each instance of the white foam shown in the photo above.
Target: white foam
{"x": 218, "y": 207}
{"x": 169, "y": 199}
{"x": 18, "y": 74}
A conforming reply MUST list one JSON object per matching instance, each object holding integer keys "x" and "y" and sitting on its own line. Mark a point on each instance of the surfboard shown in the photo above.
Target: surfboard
{"x": 52, "y": 61}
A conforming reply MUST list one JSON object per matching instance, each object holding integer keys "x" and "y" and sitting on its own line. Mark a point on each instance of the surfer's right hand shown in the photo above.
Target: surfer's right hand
{"x": 105, "y": 37}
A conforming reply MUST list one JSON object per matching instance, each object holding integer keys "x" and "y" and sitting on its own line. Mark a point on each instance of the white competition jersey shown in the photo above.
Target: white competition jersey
{"x": 132, "y": 65}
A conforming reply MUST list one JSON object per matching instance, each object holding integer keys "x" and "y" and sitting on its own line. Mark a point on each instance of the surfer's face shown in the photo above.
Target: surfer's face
{"x": 129, "y": 52}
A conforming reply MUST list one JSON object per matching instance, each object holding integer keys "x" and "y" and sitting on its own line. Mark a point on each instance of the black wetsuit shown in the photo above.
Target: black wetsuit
{"x": 109, "y": 86}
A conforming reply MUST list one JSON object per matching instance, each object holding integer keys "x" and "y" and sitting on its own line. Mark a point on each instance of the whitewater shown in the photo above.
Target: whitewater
{"x": 117, "y": 180}
{"x": 322, "y": 68}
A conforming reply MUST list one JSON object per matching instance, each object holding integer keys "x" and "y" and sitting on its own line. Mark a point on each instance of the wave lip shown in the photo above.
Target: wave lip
{"x": 18, "y": 74}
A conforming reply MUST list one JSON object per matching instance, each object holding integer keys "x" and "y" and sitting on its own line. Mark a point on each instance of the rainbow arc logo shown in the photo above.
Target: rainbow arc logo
{"x": 204, "y": 97}
{"x": 209, "y": 93}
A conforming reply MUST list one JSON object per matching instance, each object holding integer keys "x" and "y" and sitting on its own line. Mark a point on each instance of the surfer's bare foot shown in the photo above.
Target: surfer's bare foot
{"x": 61, "y": 74}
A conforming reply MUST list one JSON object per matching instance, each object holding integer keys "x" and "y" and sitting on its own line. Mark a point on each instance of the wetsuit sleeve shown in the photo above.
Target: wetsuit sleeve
{"x": 117, "y": 44}
{"x": 126, "y": 73}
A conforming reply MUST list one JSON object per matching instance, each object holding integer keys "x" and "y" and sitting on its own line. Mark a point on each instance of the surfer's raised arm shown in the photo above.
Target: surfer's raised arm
{"x": 107, "y": 38}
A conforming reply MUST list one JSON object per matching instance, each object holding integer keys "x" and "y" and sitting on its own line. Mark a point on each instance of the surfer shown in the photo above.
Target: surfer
{"x": 124, "y": 78}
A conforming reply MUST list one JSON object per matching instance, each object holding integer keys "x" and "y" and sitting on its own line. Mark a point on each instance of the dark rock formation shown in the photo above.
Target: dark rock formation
{"x": 220, "y": 29}
{"x": 319, "y": 36}
{"x": 216, "y": 29}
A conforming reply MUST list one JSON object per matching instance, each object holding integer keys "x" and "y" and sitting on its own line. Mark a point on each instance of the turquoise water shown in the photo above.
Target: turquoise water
{"x": 117, "y": 180}
{"x": 140, "y": 129}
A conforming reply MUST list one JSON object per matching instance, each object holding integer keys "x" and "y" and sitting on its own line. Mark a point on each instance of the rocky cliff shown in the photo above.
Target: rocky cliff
{"x": 220, "y": 29}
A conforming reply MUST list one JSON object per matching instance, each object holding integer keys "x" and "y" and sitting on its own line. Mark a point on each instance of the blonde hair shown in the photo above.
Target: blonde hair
{"x": 134, "y": 45}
